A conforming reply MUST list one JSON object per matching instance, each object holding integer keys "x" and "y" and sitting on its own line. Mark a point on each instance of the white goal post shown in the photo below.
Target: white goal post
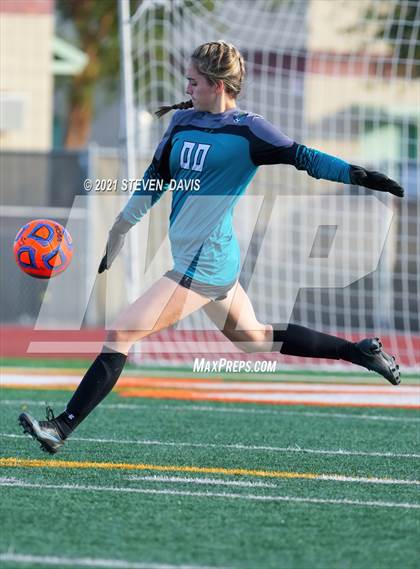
{"x": 342, "y": 77}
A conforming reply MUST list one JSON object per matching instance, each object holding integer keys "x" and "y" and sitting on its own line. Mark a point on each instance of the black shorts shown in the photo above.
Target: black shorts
{"x": 213, "y": 292}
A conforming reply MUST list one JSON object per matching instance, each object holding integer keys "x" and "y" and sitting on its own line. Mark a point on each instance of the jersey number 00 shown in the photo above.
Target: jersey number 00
{"x": 193, "y": 156}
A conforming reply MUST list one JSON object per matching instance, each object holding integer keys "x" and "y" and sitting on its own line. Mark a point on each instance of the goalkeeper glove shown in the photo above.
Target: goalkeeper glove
{"x": 375, "y": 181}
{"x": 116, "y": 238}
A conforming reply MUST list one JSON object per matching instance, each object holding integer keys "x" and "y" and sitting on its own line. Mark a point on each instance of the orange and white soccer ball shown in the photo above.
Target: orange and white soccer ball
{"x": 43, "y": 248}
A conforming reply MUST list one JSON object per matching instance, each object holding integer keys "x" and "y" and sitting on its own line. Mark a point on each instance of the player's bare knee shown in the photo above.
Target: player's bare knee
{"x": 119, "y": 336}
{"x": 251, "y": 341}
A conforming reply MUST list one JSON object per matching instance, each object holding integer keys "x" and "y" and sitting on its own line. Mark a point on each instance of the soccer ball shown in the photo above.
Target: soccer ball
{"x": 43, "y": 248}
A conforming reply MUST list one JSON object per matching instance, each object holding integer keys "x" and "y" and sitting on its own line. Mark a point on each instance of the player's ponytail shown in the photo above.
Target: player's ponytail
{"x": 217, "y": 61}
{"x": 166, "y": 108}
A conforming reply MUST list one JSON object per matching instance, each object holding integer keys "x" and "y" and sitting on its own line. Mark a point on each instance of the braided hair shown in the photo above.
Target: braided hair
{"x": 217, "y": 61}
{"x": 166, "y": 108}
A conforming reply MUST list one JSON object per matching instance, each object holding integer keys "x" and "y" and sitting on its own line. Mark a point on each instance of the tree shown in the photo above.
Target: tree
{"x": 95, "y": 23}
{"x": 398, "y": 26}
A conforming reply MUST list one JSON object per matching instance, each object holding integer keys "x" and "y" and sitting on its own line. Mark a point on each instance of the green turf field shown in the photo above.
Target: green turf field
{"x": 161, "y": 484}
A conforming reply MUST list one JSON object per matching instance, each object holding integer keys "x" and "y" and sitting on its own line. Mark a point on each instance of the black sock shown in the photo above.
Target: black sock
{"x": 97, "y": 382}
{"x": 304, "y": 342}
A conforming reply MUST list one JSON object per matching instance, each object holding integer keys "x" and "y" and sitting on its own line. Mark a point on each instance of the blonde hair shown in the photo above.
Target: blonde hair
{"x": 217, "y": 61}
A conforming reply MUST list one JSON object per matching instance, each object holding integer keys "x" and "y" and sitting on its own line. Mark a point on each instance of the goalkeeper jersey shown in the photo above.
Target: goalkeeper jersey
{"x": 207, "y": 161}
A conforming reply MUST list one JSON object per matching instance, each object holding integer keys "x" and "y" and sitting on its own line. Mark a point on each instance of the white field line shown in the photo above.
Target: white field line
{"x": 19, "y": 558}
{"x": 339, "y": 452}
{"x": 37, "y": 380}
{"x": 230, "y": 496}
{"x": 365, "y": 480}
{"x": 233, "y": 409}
{"x": 217, "y": 482}
{"x": 388, "y": 399}
{"x": 281, "y": 387}
{"x": 206, "y": 481}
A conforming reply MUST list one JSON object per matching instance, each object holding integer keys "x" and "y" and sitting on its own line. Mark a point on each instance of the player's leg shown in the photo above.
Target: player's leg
{"x": 236, "y": 318}
{"x": 164, "y": 304}
{"x": 295, "y": 340}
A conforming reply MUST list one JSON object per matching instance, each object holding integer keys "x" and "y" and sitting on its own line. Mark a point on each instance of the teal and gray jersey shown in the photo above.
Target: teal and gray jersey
{"x": 208, "y": 160}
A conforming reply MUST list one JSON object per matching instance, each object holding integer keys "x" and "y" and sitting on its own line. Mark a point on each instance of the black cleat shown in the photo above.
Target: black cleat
{"x": 45, "y": 432}
{"x": 374, "y": 358}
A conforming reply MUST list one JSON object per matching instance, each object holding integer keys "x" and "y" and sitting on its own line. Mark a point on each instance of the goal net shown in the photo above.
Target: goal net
{"x": 342, "y": 77}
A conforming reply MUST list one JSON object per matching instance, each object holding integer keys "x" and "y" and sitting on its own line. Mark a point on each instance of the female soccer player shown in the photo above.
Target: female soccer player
{"x": 213, "y": 149}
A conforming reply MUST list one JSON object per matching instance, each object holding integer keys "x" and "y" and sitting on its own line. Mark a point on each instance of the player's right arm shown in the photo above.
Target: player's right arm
{"x": 149, "y": 190}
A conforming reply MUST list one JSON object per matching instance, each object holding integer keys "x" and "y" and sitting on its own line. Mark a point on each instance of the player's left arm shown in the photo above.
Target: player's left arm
{"x": 268, "y": 145}
{"x": 321, "y": 165}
